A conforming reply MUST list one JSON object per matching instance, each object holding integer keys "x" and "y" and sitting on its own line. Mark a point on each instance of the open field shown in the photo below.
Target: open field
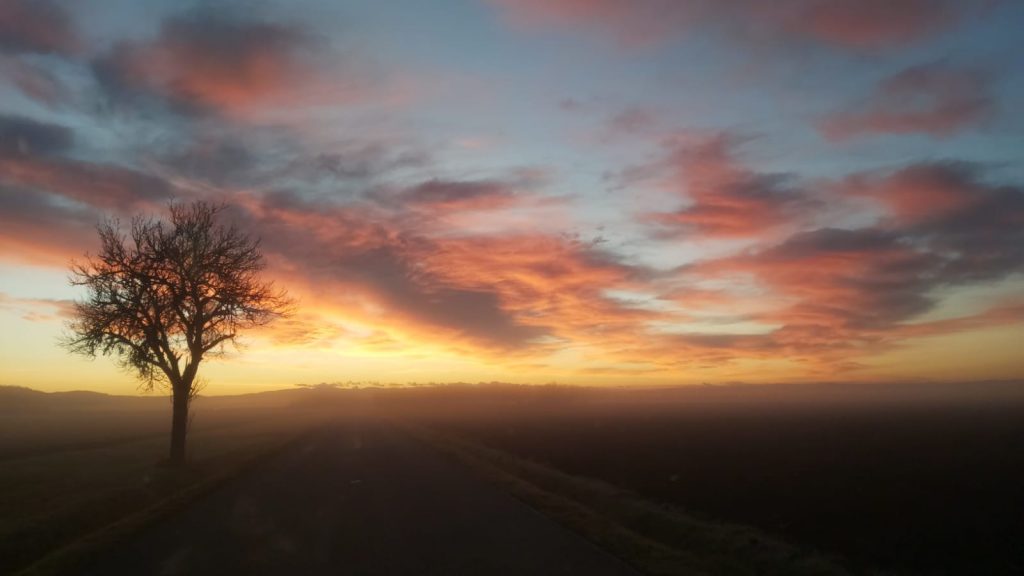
{"x": 654, "y": 538}
{"x": 903, "y": 479}
{"x": 913, "y": 479}
{"x": 73, "y": 464}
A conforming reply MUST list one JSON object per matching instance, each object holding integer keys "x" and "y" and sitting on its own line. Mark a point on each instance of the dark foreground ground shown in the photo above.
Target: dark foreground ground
{"x": 357, "y": 499}
{"x": 912, "y": 480}
{"x": 887, "y": 479}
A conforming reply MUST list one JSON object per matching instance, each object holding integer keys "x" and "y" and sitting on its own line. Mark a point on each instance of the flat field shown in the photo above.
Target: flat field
{"x": 73, "y": 464}
{"x": 915, "y": 479}
{"x": 902, "y": 479}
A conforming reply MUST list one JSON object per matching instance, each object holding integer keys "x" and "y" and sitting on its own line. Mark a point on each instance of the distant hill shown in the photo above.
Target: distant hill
{"x": 20, "y": 398}
{"x": 24, "y": 401}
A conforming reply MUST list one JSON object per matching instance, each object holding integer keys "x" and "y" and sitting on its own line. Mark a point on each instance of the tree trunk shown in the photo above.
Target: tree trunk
{"x": 179, "y": 425}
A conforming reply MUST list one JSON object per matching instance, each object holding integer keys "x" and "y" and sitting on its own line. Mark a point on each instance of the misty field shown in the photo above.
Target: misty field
{"x": 73, "y": 465}
{"x": 909, "y": 479}
{"x": 900, "y": 479}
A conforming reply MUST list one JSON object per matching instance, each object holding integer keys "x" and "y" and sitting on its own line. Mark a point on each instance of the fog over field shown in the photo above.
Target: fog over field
{"x": 913, "y": 478}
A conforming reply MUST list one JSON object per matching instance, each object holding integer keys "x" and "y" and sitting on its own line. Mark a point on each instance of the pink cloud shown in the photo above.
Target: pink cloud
{"x": 34, "y": 81}
{"x": 726, "y": 199}
{"x": 38, "y": 309}
{"x": 95, "y": 185}
{"x": 503, "y": 292}
{"x": 868, "y": 24}
{"x": 395, "y": 261}
{"x": 210, "y": 60}
{"x": 934, "y": 99}
{"x": 50, "y": 203}
{"x": 920, "y": 192}
{"x": 39, "y": 26}
{"x": 851, "y": 24}
{"x": 832, "y": 294}
{"x": 35, "y": 230}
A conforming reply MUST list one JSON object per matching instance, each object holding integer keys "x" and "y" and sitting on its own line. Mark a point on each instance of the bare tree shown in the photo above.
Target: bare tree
{"x": 168, "y": 295}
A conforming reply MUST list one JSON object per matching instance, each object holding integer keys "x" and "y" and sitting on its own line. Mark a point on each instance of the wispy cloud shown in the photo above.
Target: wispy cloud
{"x": 221, "y": 61}
{"x": 849, "y": 24}
{"x": 934, "y": 99}
{"x": 36, "y": 26}
{"x": 724, "y": 198}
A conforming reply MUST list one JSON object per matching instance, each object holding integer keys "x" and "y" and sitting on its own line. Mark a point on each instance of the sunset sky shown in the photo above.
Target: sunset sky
{"x": 578, "y": 191}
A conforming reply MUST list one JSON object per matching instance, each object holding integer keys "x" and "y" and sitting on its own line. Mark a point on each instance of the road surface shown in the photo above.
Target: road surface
{"x": 362, "y": 500}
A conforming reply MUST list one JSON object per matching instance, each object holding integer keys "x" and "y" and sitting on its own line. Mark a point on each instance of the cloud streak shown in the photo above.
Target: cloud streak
{"x": 839, "y": 292}
{"x": 726, "y": 199}
{"x": 36, "y": 26}
{"x": 499, "y": 292}
{"x": 860, "y": 25}
{"x": 222, "y": 62}
{"x": 932, "y": 99}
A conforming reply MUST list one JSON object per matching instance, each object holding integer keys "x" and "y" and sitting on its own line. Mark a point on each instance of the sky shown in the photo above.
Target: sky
{"x": 575, "y": 191}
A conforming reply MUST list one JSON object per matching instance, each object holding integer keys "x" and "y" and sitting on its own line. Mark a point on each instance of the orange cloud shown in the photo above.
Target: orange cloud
{"x": 498, "y": 294}
{"x": 49, "y": 204}
{"x": 820, "y": 298}
{"x": 37, "y": 309}
{"x": 1001, "y": 314}
{"x": 35, "y": 230}
{"x": 554, "y": 283}
{"x": 397, "y": 267}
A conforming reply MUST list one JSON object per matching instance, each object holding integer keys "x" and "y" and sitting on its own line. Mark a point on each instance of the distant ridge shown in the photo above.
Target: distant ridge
{"x": 21, "y": 398}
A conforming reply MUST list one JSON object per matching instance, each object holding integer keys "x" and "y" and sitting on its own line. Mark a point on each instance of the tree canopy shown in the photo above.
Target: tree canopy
{"x": 168, "y": 294}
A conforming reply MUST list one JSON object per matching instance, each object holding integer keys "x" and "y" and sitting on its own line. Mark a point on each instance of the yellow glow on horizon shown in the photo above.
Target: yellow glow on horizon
{"x": 990, "y": 354}
{"x": 323, "y": 345}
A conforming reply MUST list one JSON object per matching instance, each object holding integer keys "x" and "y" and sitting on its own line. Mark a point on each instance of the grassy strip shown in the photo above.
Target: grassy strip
{"x": 655, "y": 539}
{"x": 188, "y": 487}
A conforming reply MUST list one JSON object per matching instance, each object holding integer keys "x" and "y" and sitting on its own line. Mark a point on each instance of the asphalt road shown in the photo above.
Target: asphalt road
{"x": 361, "y": 500}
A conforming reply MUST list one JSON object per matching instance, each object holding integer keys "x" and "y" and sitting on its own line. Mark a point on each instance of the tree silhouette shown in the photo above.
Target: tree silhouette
{"x": 168, "y": 295}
